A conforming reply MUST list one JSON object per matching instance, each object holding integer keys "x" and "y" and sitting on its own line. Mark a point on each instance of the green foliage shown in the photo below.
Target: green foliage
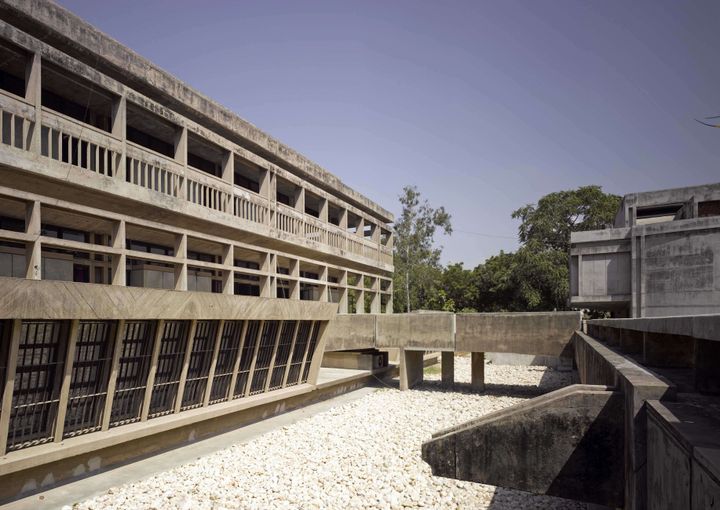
{"x": 534, "y": 278}
{"x": 547, "y": 224}
{"x": 417, "y": 259}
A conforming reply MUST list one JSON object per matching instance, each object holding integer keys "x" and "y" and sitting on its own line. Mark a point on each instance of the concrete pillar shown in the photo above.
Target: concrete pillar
{"x": 33, "y": 96}
{"x": 181, "y": 265}
{"x": 228, "y": 276}
{"x": 33, "y": 249}
{"x": 294, "y": 284}
{"x": 117, "y": 241}
{"x": 343, "y": 303}
{"x": 411, "y": 368}
{"x": 477, "y": 371}
{"x": 448, "y": 367}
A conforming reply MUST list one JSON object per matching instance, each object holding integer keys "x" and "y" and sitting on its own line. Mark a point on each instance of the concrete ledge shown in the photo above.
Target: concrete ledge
{"x": 59, "y": 300}
{"x": 696, "y": 326}
{"x": 351, "y": 332}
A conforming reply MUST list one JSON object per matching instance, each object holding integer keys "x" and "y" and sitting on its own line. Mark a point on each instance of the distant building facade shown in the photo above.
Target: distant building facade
{"x": 660, "y": 258}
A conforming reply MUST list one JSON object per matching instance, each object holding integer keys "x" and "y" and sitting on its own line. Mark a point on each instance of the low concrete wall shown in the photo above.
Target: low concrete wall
{"x": 683, "y": 446}
{"x": 351, "y": 332}
{"x": 566, "y": 443}
{"x": 539, "y": 334}
{"x": 542, "y": 333}
{"x": 419, "y": 331}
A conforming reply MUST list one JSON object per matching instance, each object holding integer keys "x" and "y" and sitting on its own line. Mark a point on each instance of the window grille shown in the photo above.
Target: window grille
{"x": 199, "y": 367}
{"x": 298, "y": 354}
{"x": 89, "y": 379}
{"x": 264, "y": 357}
{"x": 133, "y": 370}
{"x": 283, "y": 353}
{"x": 248, "y": 351}
{"x": 228, "y": 353}
{"x": 311, "y": 351}
{"x": 4, "y": 352}
{"x": 41, "y": 357}
{"x": 170, "y": 362}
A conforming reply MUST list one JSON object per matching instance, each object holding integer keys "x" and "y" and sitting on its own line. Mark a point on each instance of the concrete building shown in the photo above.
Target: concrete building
{"x": 162, "y": 261}
{"x": 660, "y": 258}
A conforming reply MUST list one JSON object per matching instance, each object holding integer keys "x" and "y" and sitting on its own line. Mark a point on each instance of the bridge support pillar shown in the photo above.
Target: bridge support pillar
{"x": 411, "y": 368}
{"x": 448, "y": 367}
{"x": 477, "y": 371}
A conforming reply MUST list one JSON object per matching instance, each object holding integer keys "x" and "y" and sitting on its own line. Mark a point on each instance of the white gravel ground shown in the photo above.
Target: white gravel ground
{"x": 365, "y": 454}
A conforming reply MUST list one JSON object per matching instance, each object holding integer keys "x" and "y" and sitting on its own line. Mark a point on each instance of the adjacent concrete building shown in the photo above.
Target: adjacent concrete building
{"x": 163, "y": 263}
{"x": 660, "y": 258}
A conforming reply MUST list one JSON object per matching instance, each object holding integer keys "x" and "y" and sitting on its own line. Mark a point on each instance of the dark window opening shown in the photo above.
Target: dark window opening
{"x": 204, "y": 155}
{"x": 709, "y": 208}
{"x": 14, "y": 61}
{"x": 76, "y": 97}
{"x": 247, "y": 175}
{"x": 13, "y": 224}
{"x": 150, "y": 131}
{"x": 659, "y": 210}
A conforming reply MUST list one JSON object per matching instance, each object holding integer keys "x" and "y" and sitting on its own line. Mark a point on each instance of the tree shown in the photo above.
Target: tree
{"x": 417, "y": 259}
{"x": 548, "y": 224}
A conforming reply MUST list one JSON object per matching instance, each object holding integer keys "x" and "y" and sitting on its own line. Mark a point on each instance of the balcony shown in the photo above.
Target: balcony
{"x": 102, "y": 156}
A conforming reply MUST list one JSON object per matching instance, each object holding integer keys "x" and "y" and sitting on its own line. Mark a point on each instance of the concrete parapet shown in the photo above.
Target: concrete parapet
{"x": 549, "y": 445}
{"x": 543, "y": 333}
{"x": 598, "y": 364}
{"x": 683, "y": 459}
{"x": 351, "y": 332}
{"x": 425, "y": 331}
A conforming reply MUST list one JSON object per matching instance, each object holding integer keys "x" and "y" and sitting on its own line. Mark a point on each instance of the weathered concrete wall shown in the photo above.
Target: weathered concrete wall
{"x": 420, "y": 331}
{"x": 351, "y": 332}
{"x": 566, "y": 443}
{"x": 681, "y": 273}
{"x": 683, "y": 446}
{"x": 539, "y": 334}
{"x": 542, "y": 333}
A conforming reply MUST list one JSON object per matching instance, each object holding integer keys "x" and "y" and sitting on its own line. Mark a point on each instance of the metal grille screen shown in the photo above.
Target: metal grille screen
{"x": 227, "y": 356}
{"x": 264, "y": 356}
{"x": 301, "y": 344}
{"x": 200, "y": 360}
{"x": 282, "y": 355}
{"x": 169, "y": 367}
{"x": 41, "y": 357}
{"x": 90, "y": 373}
{"x": 133, "y": 369}
{"x": 246, "y": 358}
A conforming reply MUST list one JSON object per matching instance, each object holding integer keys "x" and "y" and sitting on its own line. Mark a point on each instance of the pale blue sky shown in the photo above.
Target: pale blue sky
{"x": 485, "y": 106}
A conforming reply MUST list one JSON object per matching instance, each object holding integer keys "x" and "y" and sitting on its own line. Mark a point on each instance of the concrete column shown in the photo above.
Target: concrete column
{"x": 361, "y": 227}
{"x": 324, "y": 289}
{"x": 12, "y": 356}
{"x": 267, "y": 283}
{"x": 181, "y": 265}
{"x": 294, "y": 284}
{"x": 477, "y": 371}
{"x": 228, "y": 167}
{"x": 33, "y": 249}
{"x": 66, "y": 380}
{"x": 33, "y": 94}
{"x": 323, "y": 210}
{"x": 114, "y": 369}
{"x": 411, "y": 368}
{"x": 300, "y": 200}
{"x": 343, "y": 302}
{"x": 448, "y": 367}
{"x": 119, "y": 261}
{"x": 119, "y": 120}
{"x": 389, "y": 306}
{"x": 181, "y": 143}
{"x": 228, "y": 278}
{"x": 343, "y": 223}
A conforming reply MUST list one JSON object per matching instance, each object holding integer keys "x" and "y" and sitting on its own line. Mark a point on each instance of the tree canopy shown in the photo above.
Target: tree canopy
{"x": 417, "y": 259}
{"x": 534, "y": 278}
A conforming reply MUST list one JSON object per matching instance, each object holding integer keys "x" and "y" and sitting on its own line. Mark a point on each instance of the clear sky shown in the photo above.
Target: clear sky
{"x": 485, "y": 106}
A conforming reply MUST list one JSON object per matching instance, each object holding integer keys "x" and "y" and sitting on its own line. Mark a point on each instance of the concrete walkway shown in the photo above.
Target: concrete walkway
{"x": 90, "y": 486}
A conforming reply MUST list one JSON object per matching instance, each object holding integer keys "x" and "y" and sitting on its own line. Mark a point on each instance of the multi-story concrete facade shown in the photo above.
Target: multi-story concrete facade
{"x": 660, "y": 258}
{"x": 158, "y": 254}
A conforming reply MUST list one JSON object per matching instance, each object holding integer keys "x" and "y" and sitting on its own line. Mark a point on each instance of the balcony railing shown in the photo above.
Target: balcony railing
{"x": 69, "y": 141}
{"x": 74, "y": 143}
{"x": 153, "y": 171}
